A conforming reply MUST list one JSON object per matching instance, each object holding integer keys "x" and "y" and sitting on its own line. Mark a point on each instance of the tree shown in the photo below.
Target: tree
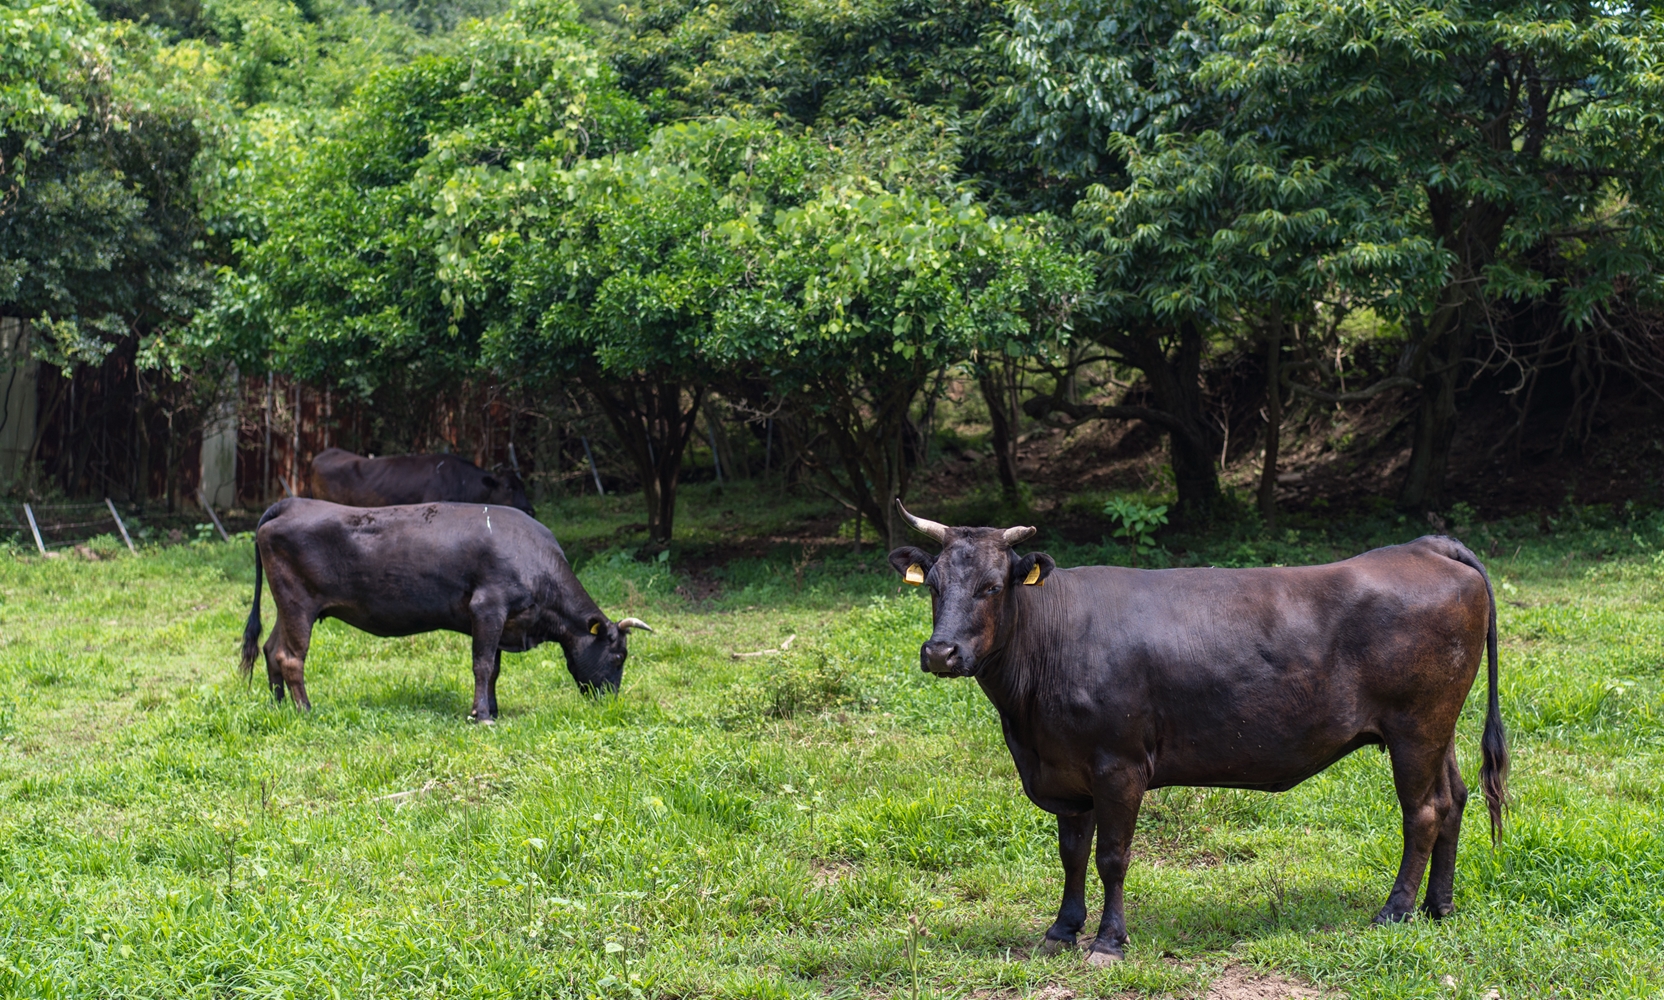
{"x": 1214, "y": 234}
{"x": 865, "y": 291}
{"x": 339, "y": 273}
{"x": 615, "y": 272}
{"x": 102, "y": 245}
{"x": 731, "y": 250}
{"x": 1511, "y": 138}
{"x": 907, "y": 91}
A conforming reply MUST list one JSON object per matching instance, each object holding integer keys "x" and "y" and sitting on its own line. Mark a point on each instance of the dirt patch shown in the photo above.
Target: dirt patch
{"x": 1234, "y": 982}
{"x": 1239, "y": 983}
{"x": 698, "y": 589}
{"x": 827, "y": 874}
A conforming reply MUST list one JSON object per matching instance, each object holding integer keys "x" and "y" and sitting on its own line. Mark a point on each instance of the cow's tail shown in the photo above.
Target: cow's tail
{"x": 1493, "y": 745}
{"x": 251, "y": 631}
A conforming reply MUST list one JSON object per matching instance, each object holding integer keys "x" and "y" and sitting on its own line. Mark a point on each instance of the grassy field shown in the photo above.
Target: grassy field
{"x": 769, "y": 826}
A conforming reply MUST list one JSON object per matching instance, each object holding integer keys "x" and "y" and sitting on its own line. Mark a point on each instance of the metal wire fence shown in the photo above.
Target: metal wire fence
{"x": 106, "y": 525}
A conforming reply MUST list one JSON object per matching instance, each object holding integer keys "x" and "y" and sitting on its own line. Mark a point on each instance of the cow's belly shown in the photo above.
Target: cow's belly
{"x": 1262, "y": 764}
{"x": 1058, "y": 776}
{"x": 389, "y": 623}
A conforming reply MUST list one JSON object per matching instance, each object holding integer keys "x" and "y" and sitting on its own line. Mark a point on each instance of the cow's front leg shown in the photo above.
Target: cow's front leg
{"x": 1116, "y": 798}
{"x": 1074, "y": 846}
{"x": 488, "y": 631}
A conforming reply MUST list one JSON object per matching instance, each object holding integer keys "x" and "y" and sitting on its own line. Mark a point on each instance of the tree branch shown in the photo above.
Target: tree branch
{"x": 1041, "y": 407}
{"x": 1395, "y": 382}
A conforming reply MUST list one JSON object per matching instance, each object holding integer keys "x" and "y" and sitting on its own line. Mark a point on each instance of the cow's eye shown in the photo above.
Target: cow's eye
{"x": 991, "y": 590}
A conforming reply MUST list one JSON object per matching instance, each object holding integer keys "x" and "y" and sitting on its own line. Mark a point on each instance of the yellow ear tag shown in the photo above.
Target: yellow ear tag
{"x": 915, "y": 574}
{"x": 595, "y": 629}
{"x": 1033, "y": 575}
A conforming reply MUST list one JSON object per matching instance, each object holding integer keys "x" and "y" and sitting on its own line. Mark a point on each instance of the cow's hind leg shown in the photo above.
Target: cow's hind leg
{"x": 1116, "y": 798}
{"x": 491, "y": 687}
{"x": 274, "y": 664}
{"x": 488, "y": 631}
{"x": 1451, "y": 796}
{"x": 1074, "y": 846}
{"x": 1418, "y": 772}
{"x": 286, "y": 655}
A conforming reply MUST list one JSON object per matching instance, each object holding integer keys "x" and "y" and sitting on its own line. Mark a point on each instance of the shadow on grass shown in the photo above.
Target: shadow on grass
{"x": 1176, "y": 927}
{"x": 420, "y": 696}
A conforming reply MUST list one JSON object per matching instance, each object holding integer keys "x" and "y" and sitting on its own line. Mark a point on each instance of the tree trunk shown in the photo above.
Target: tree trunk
{"x": 141, "y": 436}
{"x": 1473, "y": 231}
{"x": 1435, "y": 428}
{"x": 732, "y": 462}
{"x": 1437, "y": 365}
{"x": 867, "y": 468}
{"x": 1273, "y": 418}
{"x": 1175, "y": 382}
{"x": 995, "y": 392}
{"x": 654, "y": 419}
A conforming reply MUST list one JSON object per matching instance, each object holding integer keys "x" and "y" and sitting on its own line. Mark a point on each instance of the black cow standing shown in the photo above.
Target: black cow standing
{"x": 339, "y": 476}
{"x": 487, "y": 571}
{"x": 1110, "y": 682}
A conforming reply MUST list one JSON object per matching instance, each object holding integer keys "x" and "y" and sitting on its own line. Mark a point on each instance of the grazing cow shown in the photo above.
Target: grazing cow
{"x": 1110, "y": 682}
{"x": 490, "y": 572}
{"x": 339, "y": 476}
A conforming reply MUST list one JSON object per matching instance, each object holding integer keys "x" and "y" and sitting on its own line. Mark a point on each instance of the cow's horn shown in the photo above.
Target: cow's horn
{"x": 1018, "y": 534}
{"x": 919, "y": 524}
{"x": 630, "y": 623}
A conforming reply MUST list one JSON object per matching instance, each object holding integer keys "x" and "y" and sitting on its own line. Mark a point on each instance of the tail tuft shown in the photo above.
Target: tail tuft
{"x": 1493, "y": 745}
{"x": 251, "y": 631}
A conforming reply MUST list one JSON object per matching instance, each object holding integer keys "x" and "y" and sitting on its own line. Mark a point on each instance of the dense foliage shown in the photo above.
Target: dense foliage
{"x": 815, "y": 212}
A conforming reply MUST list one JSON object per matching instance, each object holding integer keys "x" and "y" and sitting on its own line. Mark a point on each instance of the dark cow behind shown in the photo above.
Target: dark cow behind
{"x": 341, "y": 477}
{"x": 490, "y": 572}
{"x": 1110, "y": 682}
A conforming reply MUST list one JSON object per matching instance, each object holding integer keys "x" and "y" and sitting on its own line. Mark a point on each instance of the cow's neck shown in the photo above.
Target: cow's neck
{"x": 1016, "y": 675}
{"x": 568, "y": 608}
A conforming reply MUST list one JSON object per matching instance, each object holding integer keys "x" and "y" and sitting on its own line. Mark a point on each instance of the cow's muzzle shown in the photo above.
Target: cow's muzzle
{"x": 944, "y": 659}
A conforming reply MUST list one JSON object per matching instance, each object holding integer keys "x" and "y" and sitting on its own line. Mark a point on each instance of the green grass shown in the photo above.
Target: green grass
{"x": 767, "y": 826}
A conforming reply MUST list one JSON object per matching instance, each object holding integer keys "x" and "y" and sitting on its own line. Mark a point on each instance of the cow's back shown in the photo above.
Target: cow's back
{"x": 342, "y": 477}
{"x": 336, "y": 477}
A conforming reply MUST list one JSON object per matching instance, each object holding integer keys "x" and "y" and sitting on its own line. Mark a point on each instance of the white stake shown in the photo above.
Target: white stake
{"x": 120, "y": 527}
{"x": 30, "y": 514}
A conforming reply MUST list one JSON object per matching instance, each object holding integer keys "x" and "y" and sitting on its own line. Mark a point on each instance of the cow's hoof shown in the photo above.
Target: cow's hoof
{"x": 1100, "y": 957}
{"x": 1056, "y": 945}
{"x": 1438, "y": 911}
{"x": 487, "y": 721}
{"x": 1387, "y": 918}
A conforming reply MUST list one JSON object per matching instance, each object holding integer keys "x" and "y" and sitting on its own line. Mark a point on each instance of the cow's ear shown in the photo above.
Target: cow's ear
{"x": 489, "y": 482}
{"x": 1033, "y": 568}
{"x": 912, "y": 563}
{"x": 597, "y": 624}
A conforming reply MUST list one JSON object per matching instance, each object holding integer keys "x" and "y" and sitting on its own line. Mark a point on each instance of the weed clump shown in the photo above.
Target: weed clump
{"x": 807, "y": 689}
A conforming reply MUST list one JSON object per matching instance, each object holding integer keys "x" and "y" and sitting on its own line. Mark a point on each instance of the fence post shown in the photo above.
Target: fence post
{"x": 285, "y": 481}
{"x": 30, "y": 514}
{"x": 592, "y": 470}
{"x": 716, "y": 460}
{"x": 202, "y": 497}
{"x": 120, "y": 527}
